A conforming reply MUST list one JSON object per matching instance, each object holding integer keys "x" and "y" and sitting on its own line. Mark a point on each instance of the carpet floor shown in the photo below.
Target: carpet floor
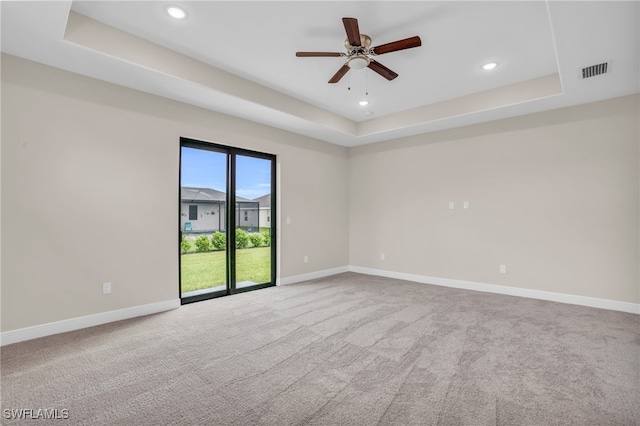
{"x": 349, "y": 349}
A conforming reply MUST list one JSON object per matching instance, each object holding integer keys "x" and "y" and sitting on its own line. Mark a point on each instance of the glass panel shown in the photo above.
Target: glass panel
{"x": 203, "y": 261}
{"x": 253, "y": 228}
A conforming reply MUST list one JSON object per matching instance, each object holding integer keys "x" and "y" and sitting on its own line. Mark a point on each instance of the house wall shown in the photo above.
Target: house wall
{"x": 265, "y": 214}
{"x": 210, "y": 216}
{"x": 553, "y": 196}
{"x": 83, "y": 159}
{"x": 248, "y": 217}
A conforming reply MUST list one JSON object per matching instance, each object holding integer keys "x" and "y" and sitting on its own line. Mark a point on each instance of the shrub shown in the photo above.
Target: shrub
{"x": 266, "y": 239}
{"x": 256, "y": 239}
{"x": 219, "y": 240}
{"x": 202, "y": 244}
{"x": 242, "y": 239}
{"x": 185, "y": 245}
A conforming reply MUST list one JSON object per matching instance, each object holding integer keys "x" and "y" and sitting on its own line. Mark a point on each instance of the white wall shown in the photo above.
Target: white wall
{"x": 81, "y": 157}
{"x": 554, "y": 196}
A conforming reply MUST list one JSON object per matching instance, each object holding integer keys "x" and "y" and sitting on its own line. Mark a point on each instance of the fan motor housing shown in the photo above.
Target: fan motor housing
{"x": 365, "y": 43}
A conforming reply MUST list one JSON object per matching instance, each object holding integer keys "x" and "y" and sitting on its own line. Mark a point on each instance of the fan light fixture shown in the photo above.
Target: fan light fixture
{"x": 358, "y": 62}
{"x": 489, "y": 66}
{"x": 176, "y": 12}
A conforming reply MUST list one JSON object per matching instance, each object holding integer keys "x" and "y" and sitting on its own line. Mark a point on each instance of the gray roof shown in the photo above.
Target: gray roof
{"x": 265, "y": 200}
{"x": 204, "y": 195}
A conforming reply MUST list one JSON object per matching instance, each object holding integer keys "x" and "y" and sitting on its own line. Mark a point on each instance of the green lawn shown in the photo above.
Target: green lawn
{"x": 205, "y": 270}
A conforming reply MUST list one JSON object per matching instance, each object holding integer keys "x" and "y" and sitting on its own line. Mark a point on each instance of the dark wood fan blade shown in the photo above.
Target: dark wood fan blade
{"x": 382, "y": 70}
{"x": 353, "y": 32}
{"x": 394, "y": 46}
{"x": 318, "y": 54}
{"x": 341, "y": 72}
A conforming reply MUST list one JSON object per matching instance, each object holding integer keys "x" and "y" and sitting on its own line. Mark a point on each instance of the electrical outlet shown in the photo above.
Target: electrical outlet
{"x": 382, "y": 256}
{"x": 106, "y": 288}
{"x": 452, "y": 205}
{"x": 465, "y": 205}
{"x": 503, "y": 269}
{"x": 306, "y": 259}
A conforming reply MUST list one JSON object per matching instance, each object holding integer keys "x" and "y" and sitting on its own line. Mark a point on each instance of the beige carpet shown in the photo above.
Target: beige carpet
{"x": 345, "y": 350}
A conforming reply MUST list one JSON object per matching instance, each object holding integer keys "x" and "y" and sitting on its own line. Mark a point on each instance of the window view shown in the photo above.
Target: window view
{"x": 208, "y": 264}
{"x": 253, "y": 189}
{"x": 202, "y": 209}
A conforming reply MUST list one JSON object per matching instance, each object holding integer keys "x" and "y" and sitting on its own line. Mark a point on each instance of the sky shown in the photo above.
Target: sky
{"x": 207, "y": 169}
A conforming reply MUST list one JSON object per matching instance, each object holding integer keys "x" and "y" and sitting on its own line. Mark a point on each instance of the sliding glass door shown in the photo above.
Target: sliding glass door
{"x": 227, "y": 220}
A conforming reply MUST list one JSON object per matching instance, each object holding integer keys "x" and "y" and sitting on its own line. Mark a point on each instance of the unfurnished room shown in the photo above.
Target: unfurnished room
{"x": 320, "y": 213}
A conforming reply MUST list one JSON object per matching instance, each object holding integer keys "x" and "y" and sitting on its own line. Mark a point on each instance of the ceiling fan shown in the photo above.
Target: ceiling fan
{"x": 359, "y": 51}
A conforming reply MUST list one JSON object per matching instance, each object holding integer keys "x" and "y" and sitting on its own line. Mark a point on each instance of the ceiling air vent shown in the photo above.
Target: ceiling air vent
{"x": 594, "y": 70}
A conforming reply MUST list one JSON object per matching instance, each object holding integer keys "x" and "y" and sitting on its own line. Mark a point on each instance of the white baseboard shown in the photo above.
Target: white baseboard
{"x": 28, "y": 333}
{"x": 312, "y": 275}
{"x": 42, "y": 330}
{"x": 614, "y": 305}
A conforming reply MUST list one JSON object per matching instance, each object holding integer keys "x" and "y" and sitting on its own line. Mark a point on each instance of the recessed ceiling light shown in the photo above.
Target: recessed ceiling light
{"x": 363, "y": 103}
{"x": 489, "y": 66}
{"x": 176, "y": 12}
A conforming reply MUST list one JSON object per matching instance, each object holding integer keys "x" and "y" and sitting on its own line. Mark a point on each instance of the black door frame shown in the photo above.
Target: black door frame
{"x": 232, "y": 153}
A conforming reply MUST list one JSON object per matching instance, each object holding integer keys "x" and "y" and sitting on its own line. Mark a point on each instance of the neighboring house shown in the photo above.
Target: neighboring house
{"x": 203, "y": 210}
{"x": 265, "y": 210}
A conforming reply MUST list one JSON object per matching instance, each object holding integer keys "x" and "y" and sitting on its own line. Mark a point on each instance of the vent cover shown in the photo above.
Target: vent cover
{"x": 594, "y": 70}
